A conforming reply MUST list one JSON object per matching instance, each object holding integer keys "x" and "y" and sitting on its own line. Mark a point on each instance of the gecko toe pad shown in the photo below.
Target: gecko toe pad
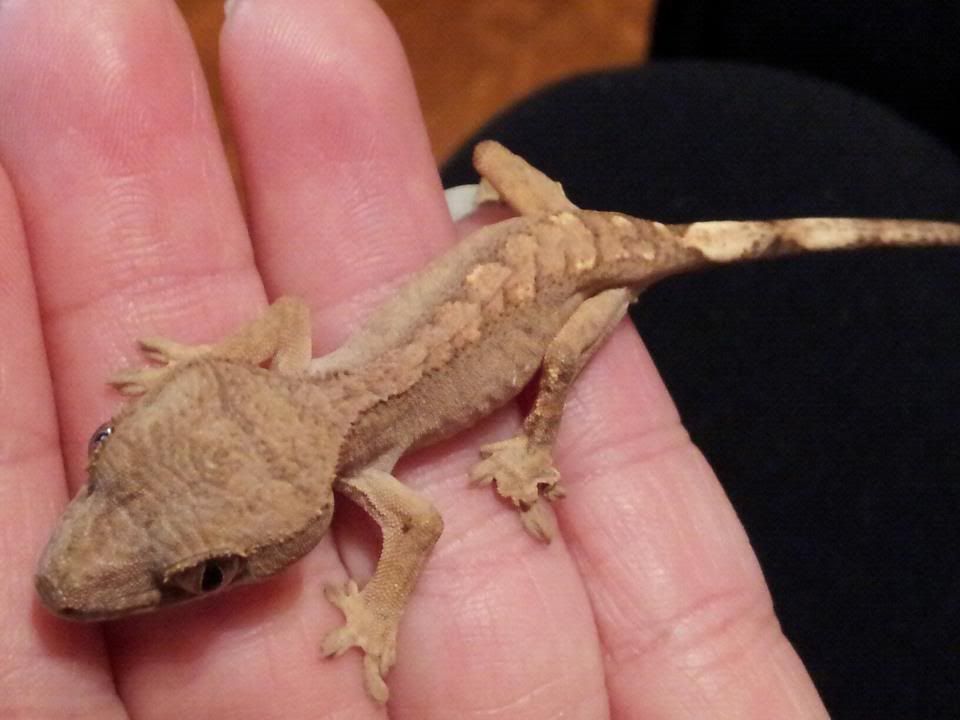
{"x": 523, "y": 475}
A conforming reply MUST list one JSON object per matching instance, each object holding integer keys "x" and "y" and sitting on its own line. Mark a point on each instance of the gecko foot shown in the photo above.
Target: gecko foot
{"x": 374, "y": 633}
{"x": 523, "y": 475}
{"x": 166, "y": 353}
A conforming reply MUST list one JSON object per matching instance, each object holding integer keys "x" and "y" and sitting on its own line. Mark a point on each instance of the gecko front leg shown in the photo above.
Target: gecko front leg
{"x": 410, "y": 526}
{"x": 522, "y": 467}
{"x": 281, "y": 335}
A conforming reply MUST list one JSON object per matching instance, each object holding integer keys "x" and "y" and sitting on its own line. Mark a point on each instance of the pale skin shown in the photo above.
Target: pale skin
{"x": 629, "y": 610}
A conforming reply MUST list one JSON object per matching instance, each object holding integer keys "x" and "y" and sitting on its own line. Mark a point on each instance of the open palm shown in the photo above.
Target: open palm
{"x": 118, "y": 219}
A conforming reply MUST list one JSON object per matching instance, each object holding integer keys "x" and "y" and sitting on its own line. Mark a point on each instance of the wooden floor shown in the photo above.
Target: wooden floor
{"x": 471, "y": 59}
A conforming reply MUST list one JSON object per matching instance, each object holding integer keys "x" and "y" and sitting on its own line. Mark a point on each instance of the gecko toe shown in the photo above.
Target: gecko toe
{"x": 373, "y": 672}
{"x": 366, "y": 627}
{"x": 539, "y": 521}
{"x": 338, "y": 642}
{"x": 340, "y": 595}
{"x": 483, "y": 473}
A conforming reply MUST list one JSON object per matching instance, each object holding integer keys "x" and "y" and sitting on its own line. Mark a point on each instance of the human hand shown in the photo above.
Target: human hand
{"x": 649, "y": 604}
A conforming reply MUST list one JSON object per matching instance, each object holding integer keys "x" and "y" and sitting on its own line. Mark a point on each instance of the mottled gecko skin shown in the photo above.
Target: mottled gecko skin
{"x": 223, "y": 472}
{"x": 485, "y": 340}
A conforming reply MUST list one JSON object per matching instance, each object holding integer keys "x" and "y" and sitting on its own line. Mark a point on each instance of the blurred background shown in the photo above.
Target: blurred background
{"x": 472, "y": 59}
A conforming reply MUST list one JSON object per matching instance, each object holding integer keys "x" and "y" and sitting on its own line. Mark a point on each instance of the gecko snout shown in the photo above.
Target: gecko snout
{"x": 80, "y": 576}
{"x": 52, "y": 599}
{"x": 100, "y": 599}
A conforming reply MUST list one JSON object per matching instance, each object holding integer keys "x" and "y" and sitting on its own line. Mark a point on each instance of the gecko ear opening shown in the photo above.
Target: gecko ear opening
{"x": 206, "y": 577}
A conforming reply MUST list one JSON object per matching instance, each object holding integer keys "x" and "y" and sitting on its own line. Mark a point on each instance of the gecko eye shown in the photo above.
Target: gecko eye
{"x": 207, "y": 576}
{"x": 98, "y": 437}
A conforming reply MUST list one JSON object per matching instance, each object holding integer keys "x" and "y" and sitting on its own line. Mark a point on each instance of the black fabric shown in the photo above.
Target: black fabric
{"x": 902, "y": 52}
{"x": 824, "y": 390}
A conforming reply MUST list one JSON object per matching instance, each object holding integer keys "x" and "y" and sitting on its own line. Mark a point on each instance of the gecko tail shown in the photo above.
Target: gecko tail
{"x": 730, "y": 240}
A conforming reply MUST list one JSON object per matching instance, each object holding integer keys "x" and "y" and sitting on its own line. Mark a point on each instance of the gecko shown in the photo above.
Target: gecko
{"x": 223, "y": 465}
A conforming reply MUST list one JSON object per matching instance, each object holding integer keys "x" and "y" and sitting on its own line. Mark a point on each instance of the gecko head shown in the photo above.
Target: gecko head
{"x": 203, "y": 483}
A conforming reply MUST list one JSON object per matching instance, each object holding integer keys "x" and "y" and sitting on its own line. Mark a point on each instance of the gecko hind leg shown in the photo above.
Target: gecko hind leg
{"x": 522, "y": 466}
{"x": 281, "y": 335}
{"x": 410, "y": 526}
{"x": 508, "y": 177}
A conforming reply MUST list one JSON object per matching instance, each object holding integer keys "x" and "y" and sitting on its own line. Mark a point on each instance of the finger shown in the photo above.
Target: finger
{"x": 344, "y": 194}
{"x": 681, "y": 607}
{"x": 43, "y": 672}
{"x": 344, "y": 199}
{"x": 132, "y": 221}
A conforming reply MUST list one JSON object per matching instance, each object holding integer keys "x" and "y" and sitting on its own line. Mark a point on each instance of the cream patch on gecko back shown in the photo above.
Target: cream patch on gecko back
{"x": 484, "y": 285}
{"x": 565, "y": 247}
{"x": 612, "y": 248}
{"x": 551, "y": 255}
{"x": 520, "y": 255}
{"x": 618, "y": 238}
{"x": 459, "y": 323}
{"x": 579, "y": 249}
{"x": 454, "y": 325}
